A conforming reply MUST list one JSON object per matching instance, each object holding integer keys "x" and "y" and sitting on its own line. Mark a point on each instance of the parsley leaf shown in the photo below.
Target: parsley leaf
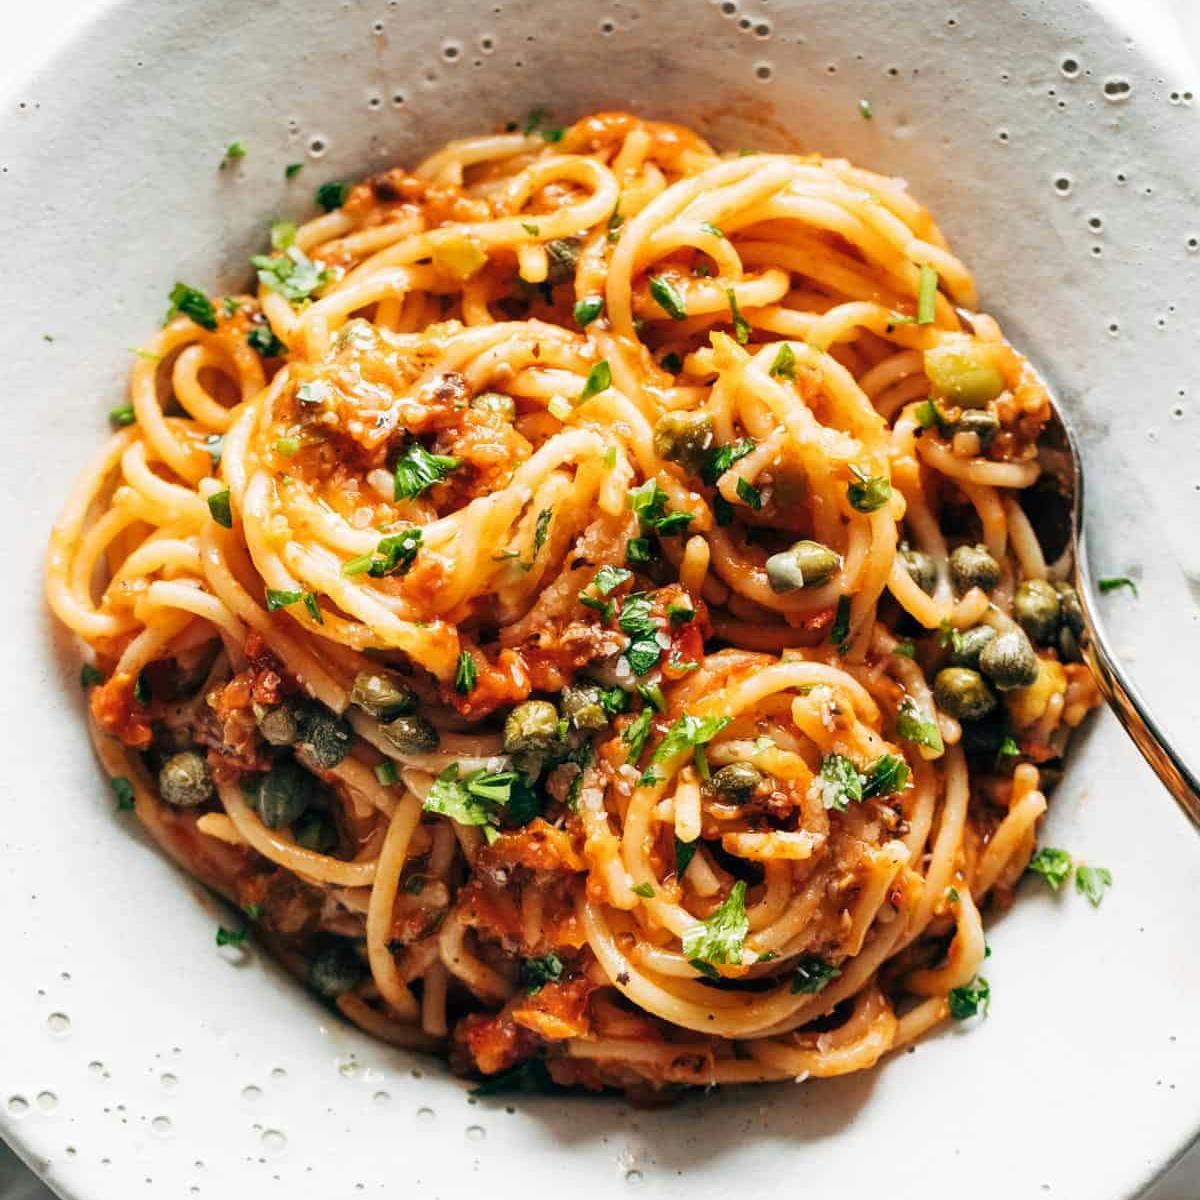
{"x": 686, "y": 733}
{"x": 867, "y": 492}
{"x": 1091, "y": 882}
{"x": 671, "y": 362}
{"x": 649, "y": 502}
{"x": 927, "y": 290}
{"x": 645, "y": 890}
{"x": 417, "y": 470}
{"x": 278, "y": 598}
{"x": 262, "y": 338}
{"x": 683, "y": 855}
{"x": 719, "y": 938}
{"x": 840, "y": 630}
{"x": 721, "y": 458}
{"x": 121, "y": 416}
{"x": 230, "y": 937}
{"x": 914, "y": 726}
{"x": 529, "y": 1076}
{"x": 292, "y": 170}
{"x": 466, "y": 674}
{"x": 218, "y": 506}
{"x": 333, "y": 194}
{"x": 749, "y": 495}
{"x": 292, "y": 274}
{"x": 599, "y": 378}
{"x": 715, "y": 230}
{"x": 784, "y": 366}
{"x": 971, "y": 999}
{"x": 741, "y": 327}
{"x": 609, "y": 578}
{"x": 193, "y": 303}
{"x": 634, "y": 734}
{"x": 537, "y": 972}
{"x": 1053, "y": 865}
{"x": 1112, "y": 582}
{"x": 887, "y": 775}
{"x": 588, "y": 309}
{"x": 236, "y": 149}
{"x": 123, "y": 790}
{"x": 89, "y": 676}
{"x": 812, "y": 975}
{"x": 838, "y": 782}
{"x": 541, "y": 530}
{"x": 643, "y": 655}
{"x": 283, "y": 234}
{"x": 667, "y": 298}
{"x": 393, "y": 556}
{"x": 471, "y": 799}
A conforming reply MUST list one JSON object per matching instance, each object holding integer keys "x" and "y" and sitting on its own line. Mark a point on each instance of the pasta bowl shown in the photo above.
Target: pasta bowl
{"x": 138, "y": 1054}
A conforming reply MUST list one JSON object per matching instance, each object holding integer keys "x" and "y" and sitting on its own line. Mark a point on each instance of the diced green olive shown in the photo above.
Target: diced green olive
{"x": 1070, "y": 610}
{"x": 280, "y": 726}
{"x": 562, "y": 254}
{"x": 979, "y": 421}
{"x": 973, "y": 566}
{"x": 284, "y": 792}
{"x": 411, "y": 734}
{"x": 1036, "y": 607}
{"x": 684, "y": 437}
{"x": 736, "y": 783}
{"x": 1009, "y": 661}
{"x": 971, "y": 643}
{"x": 184, "y": 780}
{"x": 383, "y": 694}
{"x": 334, "y": 967}
{"x": 533, "y": 726}
{"x": 325, "y": 736}
{"x": 582, "y": 706}
{"x": 962, "y": 693}
{"x": 806, "y": 564}
{"x": 921, "y": 567}
{"x": 496, "y": 404}
{"x": 965, "y": 373}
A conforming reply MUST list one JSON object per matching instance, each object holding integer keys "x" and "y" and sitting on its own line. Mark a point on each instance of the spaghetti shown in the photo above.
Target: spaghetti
{"x": 581, "y": 609}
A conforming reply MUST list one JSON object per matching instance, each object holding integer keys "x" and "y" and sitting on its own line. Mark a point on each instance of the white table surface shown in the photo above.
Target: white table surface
{"x": 29, "y": 32}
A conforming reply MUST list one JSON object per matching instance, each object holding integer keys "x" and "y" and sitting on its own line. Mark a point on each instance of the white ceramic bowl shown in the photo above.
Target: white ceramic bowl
{"x": 136, "y": 1059}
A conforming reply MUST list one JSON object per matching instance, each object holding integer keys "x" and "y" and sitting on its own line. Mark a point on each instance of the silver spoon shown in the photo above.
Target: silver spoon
{"x": 1059, "y": 528}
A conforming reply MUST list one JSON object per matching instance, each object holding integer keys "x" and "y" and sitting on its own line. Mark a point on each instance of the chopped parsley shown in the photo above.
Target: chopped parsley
{"x": 541, "y": 530}
{"x": 529, "y": 1076}
{"x": 466, "y": 674}
{"x": 721, "y": 458}
{"x": 905, "y": 648}
{"x": 472, "y": 799}
{"x": 230, "y": 937}
{"x": 121, "y": 416}
{"x": 292, "y": 274}
{"x": 887, "y": 775}
{"x": 720, "y": 937}
{"x": 645, "y": 890}
{"x": 838, "y": 782}
{"x": 1092, "y": 882}
{"x": 637, "y": 550}
{"x": 537, "y": 972}
{"x": 386, "y": 772}
{"x": 262, "y": 338}
{"x": 866, "y": 110}
{"x": 417, "y": 470}
{"x": 929, "y": 415}
{"x": 715, "y": 230}
{"x": 1008, "y": 751}
{"x": 671, "y": 362}
{"x": 615, "y": 221}
{"x": 283, "y": 234}
{"x": 649, "y": 502}
{"x": 588, "y": 309}
{"x": 532, "y": 230}
{"x": 393, "y": 556}
{"x": 971, "y": 1000}
{"x": 333, "y": 194}
{"x": 653, "y": 696}
{"x": 812, "y": 975}
{"x": 123, "y": 790}
{"x": 1112, "y": 582}
{"x": 741, "y": 327}
{"x": 1053, "y": 865}
{"x": 253, "y": 910}
{"x": 667, "y": 298}
{"x": 684, "y": 852}
{"x": 784, "y": 366}
{"x": 292, "y": 170}
{"x": 840, "y": 630}
{"x": 867, "y": 493}
{"x": 235, "y": 150}
{"x": 218, "y": 506}
{"x": 534, "y": 125}
{"x": 927, "y": 290}
{"x": 635, "y": 734}
{"x": 914, "y": 726}
{"x": 748, "y": 494}
{"x": 89, "y": 676}
{"x": 687, "y": 733}
{"x": 608, "y": 579}
{"x": 598, "y": 380}
{"x": 278, "y": 598}
{"x": 191, "y": 302}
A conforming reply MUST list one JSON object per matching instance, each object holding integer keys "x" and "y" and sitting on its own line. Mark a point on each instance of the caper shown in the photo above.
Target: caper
{"x": 1009, "y": 661}
{"x": 411, "y": 734}
{"x": 284, "y": 792}
{"x": 736, "y": 783}
{"x": 532, "y": 725}
{"x": 383, "y": 694}
{"x": 582, "y": 706}
{"x": 962, "y": 693}
{"x": 315, "y": 831}
{"x": 1070, "y": 610}
{"x": 965, "y": 373}
{"x": 979, "y": 421}
{"x": 334, "y": 967}
{"x": 973, "y": 566}
{"x": 921, "y": 567}
{"x": 806, "y": 564}
{"x": 184, "y": 780}
{"x": 986, "y": 736}
{"x": 280, "y": 726}
{"x": 970, "y": 644}
{"x": 1068, "y": 645}
{"x": 496, "y": 404}
{"x": 325, "y": 736}
{"x": 684, "y": 437}
{"x": 562, "y": 254}
{"x": 1036, "y": 607}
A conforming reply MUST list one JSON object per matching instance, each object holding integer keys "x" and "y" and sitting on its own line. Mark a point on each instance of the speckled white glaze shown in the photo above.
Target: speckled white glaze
{"x": 138, "y": 1060}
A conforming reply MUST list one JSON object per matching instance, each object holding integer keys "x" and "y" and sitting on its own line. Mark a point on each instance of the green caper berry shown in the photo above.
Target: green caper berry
{"x": 582, "y": 707}
{"x": 411, "y": 734}
{"x": 284, "y": 792}
{"x": 979, "y": 421}
{"x": 973, "y": 566}
{"x": 921, "y": 567}
{"x": 971, "y": 644}
{"x": 1009, "y": 661}
{"x": 326, "y": 737}
{"x": 1036, "y": 607}
{"x": 1070, "y": 610}
{"x": 806, "y": 564}
{"x": 684, "y": 437}
{"x": 532, "y": 725}
{"x": 280, "y": 726}
{"x": 737, "y": 782}
{"x": 383, "y": 694}
{"x": 334, "y": 967}
{"x": 496, "y": 404}
{"x": 562, "y": 255}
{"x": 184, "y": 780}
{"x": 962, "y": 693}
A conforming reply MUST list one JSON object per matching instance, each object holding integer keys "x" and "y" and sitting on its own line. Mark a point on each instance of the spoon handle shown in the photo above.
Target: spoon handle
{"x": 1135, "y": 717}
